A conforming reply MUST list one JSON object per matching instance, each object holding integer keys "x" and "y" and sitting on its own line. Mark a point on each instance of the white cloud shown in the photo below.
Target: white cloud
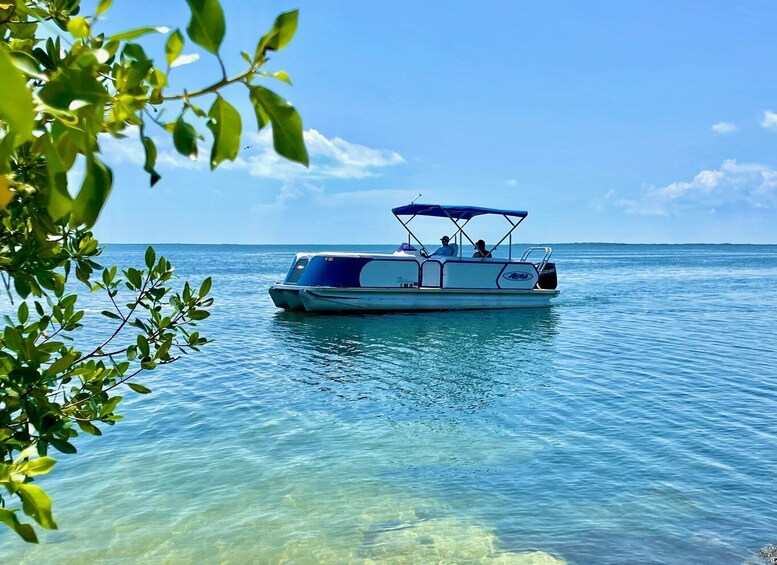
{"x": 770, "y": 120}
{"x": 290, "y": 190}
{"x": 749, "y": 184}
{"x": 511, "y": 182}
{"x": 130, "y": 150}
{"x": 329, "y": 158}
{"x": 724, "y": 127}
{"x": 293, "y": 190}
{"x": 121, "y": 150}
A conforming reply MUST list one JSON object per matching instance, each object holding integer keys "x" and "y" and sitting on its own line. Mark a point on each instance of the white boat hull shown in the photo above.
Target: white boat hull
{"x": 332, "y": 299}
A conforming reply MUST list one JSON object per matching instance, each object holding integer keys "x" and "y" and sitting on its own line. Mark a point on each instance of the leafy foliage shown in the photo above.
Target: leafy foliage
{"x": 65, "y": 87}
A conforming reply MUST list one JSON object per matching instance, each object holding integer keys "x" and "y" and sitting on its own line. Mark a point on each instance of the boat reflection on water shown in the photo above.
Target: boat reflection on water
{"x": 439, "y": 361}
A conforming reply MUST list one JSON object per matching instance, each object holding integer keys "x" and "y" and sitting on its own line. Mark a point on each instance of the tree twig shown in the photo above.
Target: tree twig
{"x": 7, "y": 287}
{"x": 121, "y": 326}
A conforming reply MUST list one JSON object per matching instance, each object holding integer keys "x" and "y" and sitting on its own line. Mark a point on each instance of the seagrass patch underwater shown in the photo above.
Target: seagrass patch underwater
{"x": 631, "y": 422}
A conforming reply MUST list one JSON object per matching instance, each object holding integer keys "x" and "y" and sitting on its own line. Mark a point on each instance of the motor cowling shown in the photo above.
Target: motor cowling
{"x": 548, "y": 279}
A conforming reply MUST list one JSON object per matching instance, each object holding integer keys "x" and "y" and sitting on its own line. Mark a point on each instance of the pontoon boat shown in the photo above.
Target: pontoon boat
{"x": 412, "y": 278}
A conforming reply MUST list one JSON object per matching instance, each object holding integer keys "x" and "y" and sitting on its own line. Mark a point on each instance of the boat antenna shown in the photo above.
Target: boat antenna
{"x": 416, "y": 198}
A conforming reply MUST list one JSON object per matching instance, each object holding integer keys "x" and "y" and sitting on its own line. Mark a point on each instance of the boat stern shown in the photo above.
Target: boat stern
{"x": 286, "y": 297}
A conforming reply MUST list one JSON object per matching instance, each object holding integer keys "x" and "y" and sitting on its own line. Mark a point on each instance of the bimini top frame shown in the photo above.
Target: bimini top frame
{"x": 457, "y": 214}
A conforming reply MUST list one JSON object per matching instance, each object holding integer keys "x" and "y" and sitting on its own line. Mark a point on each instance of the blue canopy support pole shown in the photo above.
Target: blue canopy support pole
{"x": 508, "y": 234}
{"x": 510, "y": 248}
{"x": 457, "y": 232}
{"x": 409, "y": 233}
{"x": 460, "y": 228}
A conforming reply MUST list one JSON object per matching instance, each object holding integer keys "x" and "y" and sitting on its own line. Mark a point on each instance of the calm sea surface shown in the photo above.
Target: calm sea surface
{"x": 633, "y": 422}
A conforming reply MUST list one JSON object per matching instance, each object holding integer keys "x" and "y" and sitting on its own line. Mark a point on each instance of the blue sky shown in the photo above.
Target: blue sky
{"x": 608, "y": 121}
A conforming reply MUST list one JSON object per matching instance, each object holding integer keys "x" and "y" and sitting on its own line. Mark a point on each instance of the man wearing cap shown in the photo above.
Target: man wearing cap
{"x": 447, "y": 250}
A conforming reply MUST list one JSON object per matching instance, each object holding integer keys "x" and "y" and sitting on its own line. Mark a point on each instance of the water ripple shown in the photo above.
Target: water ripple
{"x": 632, "y": 422}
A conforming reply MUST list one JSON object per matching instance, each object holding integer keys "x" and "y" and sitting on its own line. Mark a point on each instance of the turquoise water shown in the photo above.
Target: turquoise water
{"x": 634, "y": 421}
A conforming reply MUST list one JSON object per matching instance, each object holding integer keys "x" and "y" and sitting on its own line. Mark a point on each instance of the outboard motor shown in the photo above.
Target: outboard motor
{"x": 548, "y": 279}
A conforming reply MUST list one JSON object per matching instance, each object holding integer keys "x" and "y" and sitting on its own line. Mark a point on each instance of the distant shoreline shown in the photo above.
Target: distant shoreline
{"x": 394, "y": 243}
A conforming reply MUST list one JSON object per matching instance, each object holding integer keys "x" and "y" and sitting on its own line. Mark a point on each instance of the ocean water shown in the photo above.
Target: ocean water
{"x": 635, "y": 421}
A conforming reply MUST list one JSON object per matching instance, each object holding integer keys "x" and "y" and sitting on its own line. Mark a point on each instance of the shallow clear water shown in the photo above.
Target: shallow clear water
{"x": 634, "y": 421}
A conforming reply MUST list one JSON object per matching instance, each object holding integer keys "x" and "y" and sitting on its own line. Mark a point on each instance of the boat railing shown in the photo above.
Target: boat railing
{"x": 541, "y": 265}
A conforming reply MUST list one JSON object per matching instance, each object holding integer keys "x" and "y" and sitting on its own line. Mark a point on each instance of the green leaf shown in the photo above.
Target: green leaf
{"x": 60, "y": 202}
{"x": 62, "y": 446}
{"x": 280, "y": 35}
{"x": 185, "y": 138}
{"x": 6, "y": 194}
{"x": 205, "y": 287}
{"x": 37, "y": 505}
{"x": 13, "y": 338}
{"x": 39, "y": 466}
{"x": 143, "y": 348}
{"x": 23, "y": 313}
{"x": 199, "y": 314}
{"x": 149, "y": 166}
{"x": 174, "y": 46}
{"x": 6, "y": 149}
{"x": 280, "y": 75}
{"x": 206, "y": 28}
{"x": 140, "y": 389}
{"x": 110, "y": 406}
{"x": 135, "y": 277}
{"x": 185, "y": 60}
{"x": 94, "y": 192}
{"x": 26, "y": 453}
{"x": 226, "y": 125}
{"x": 21, "y": 286}
{"x": 25, "y": 531}
{"x": 27, "y": 64}
{"x": 78, "y": 27}
{"x": 196, "y": 109}
{"x": 103, "y": 6}
{"x": 71, "y": 85}
{"x": 150, "y": 257}
{"x": 16, "y": 101}
{"x": 111, "y": 315}
{"x": 89, "y": 428}
{"x": 138, "y": 32}
{"x": 60, "y": 364}
{"x": 286, "y": 123}
{"x": 136, "y": 72}
{"x": 162, "y": 352}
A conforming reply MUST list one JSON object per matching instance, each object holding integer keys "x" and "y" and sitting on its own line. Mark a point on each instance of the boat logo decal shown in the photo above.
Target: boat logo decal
{"x": 518, "y": 276}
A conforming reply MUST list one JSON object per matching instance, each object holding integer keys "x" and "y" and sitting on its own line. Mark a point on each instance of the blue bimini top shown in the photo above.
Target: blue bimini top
{"x": 455, "y": 212}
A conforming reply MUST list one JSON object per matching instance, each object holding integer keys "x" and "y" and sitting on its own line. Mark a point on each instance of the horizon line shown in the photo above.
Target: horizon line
{"x": 388, "y": 244}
